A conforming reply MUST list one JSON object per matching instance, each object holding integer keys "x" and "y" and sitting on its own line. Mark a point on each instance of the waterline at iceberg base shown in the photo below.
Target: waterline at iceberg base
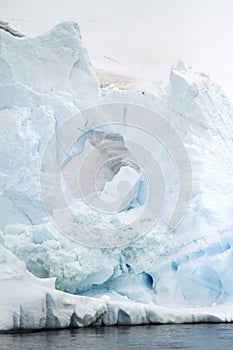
{"x": 52, "y": 278}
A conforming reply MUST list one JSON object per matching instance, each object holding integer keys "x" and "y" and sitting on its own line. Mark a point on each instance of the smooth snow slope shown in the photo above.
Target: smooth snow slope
{"x": 44, "y": 81}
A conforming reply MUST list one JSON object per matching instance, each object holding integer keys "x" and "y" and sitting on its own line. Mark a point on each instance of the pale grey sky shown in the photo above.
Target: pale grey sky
{"x": 146, "y": 37}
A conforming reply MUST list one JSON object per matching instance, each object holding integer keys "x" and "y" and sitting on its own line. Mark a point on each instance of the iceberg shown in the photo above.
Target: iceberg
{"x": 115, "y": 204}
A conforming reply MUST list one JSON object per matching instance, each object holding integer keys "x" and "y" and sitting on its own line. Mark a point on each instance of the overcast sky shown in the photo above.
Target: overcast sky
{"x": 145, "y": 37}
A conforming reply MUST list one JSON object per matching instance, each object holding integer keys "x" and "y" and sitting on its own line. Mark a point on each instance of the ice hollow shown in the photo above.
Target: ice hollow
{"x": 108, "y": 163}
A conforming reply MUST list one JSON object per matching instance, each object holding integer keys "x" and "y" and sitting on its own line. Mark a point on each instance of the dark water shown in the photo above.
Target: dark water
{"x": 201, "y": 336}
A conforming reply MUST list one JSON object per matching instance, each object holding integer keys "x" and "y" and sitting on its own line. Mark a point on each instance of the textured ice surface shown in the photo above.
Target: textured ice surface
{"x": 43, "y": 81}
{"x": 28, "y": 303}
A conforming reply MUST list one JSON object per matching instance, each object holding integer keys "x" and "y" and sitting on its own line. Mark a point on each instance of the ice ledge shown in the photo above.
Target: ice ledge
{"x": 30, "y": 303}
{"x": 34, "y": 308}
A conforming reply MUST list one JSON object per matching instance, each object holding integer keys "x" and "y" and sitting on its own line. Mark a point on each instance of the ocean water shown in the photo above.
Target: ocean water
{"x": 199, "y": 336}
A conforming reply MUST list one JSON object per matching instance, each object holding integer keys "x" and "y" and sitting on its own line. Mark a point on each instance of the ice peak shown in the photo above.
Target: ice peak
{"x": 68, "y": 28}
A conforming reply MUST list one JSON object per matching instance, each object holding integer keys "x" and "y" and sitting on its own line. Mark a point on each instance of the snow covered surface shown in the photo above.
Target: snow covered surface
{"x": 161, "y": 277}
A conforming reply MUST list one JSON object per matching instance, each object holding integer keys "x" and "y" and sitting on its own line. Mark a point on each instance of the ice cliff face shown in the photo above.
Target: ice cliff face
{"x": 44, "y": 81}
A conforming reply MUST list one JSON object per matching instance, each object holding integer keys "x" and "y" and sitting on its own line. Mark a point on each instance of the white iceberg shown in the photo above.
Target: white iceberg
{"x": 162, "y": 276}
